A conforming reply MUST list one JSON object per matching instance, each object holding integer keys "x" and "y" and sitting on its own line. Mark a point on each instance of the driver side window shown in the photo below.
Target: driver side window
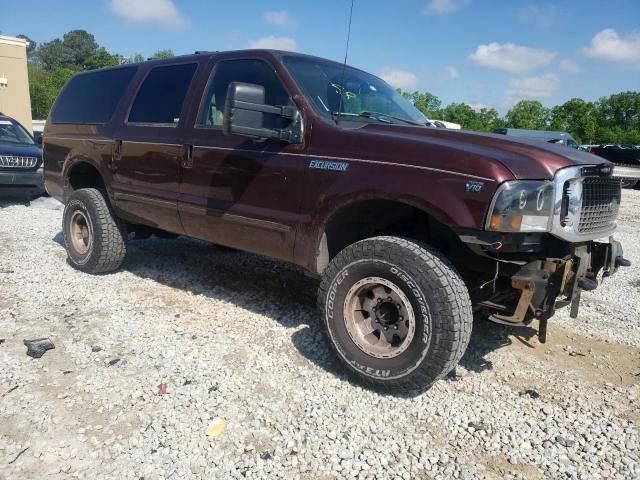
{"x": 247, "y": 71}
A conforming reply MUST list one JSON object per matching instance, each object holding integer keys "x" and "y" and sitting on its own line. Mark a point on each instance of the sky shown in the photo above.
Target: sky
{"x": 482, "y": 52}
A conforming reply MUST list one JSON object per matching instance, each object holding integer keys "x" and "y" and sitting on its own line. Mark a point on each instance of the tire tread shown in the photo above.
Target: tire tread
{"x": 452, "y": 322}
{"x": 110, "y": 234}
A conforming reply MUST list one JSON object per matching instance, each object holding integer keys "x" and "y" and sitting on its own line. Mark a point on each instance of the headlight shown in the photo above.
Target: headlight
{"x": 522, "y": 207}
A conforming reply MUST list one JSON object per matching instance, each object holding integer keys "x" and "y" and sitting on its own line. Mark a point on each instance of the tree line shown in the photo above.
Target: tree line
{"x": 613, "y": 119}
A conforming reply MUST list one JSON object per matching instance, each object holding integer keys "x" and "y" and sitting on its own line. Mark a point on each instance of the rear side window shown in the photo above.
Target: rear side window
{"x": 162, "y": 94}
{"x": 92, "y": 97}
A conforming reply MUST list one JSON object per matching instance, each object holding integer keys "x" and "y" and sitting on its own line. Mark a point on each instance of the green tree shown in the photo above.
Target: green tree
{"x": 622, "y": 109}
{"x": 426, "y": 102}
{"x": 576, "y": 117}
{"x": 463, "y": 114}
{"x": 101, "y": 58}
{"x": 31, "y": 45}
{"x": 136, "y": 58}
{"x": 53, "y": 54}
{"x": 168, "y": 53}
{"x": 73, "y": 51}
{"x": 529, "y": 114}
{"x": 38, "y": 91}
{"x": 489, "y": 119}
{"x": 80, "y": 45}
{"x": 44, "y": 87}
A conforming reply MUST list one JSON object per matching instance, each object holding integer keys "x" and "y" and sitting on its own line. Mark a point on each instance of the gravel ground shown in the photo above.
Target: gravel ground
{"x": 187, "y": 335}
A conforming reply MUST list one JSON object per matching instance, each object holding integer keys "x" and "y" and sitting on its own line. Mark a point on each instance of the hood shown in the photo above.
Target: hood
{"x": 525, "y": 159}
{"x": 20, "y": 149}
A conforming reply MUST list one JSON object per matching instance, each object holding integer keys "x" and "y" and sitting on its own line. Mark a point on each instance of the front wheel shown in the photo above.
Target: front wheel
{"x": 94, "y": 237}
{"x": 396, "y": 312}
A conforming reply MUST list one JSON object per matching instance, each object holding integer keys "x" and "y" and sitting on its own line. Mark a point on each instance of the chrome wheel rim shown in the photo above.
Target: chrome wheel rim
{"x": 80, "y": 232}
{"x": 379, "y": 317}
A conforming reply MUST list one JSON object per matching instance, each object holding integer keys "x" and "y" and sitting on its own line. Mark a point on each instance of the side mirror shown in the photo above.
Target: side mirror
{"x": 244, "y": 112}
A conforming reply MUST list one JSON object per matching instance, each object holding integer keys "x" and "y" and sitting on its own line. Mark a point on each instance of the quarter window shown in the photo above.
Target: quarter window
{"x": 160, "y": 98}
{"x": 246, "y": 71}
{"x": 92, "y": 97}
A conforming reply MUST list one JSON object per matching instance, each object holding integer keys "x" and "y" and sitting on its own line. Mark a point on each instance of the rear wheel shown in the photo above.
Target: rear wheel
{"x": 94, "y": 237}
{"x": 396, "y": 313}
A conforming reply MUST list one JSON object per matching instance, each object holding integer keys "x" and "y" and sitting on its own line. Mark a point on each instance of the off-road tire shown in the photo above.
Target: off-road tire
{"x": 439, "y": 298}
{"x": 107, "y": 232}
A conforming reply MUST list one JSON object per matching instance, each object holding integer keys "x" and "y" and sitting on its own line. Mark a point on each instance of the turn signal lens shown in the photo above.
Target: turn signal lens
{"x": 496, "y": 222}
{"x": 522, "y": 206}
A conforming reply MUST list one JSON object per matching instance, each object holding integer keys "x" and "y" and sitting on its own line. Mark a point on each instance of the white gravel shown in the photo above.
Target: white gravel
{"x": 613, "y": 310}
{"x": 235, "y": 336}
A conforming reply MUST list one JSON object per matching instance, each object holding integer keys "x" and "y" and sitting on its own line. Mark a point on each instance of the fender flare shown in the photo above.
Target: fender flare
{"x": 321, "y": 253}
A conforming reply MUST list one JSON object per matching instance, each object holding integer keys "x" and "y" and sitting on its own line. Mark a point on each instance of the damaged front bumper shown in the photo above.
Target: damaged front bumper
{"x": 551, "y": 283}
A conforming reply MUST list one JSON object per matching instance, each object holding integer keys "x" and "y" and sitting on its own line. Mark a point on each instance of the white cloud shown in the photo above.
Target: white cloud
{"x": 532, "y": 87}
{"x": 479, "y": 106}
{"x": 275, "y": 43}
{"x": 399, "y": 78}
{"x": 162, "y": 12}
{"x": 528, "y": 88}
{"x": 609, "y": 45}
{"x": 569, "y": 66}
{"x": 450, "y": 73}
{"x": 280, "y": 18}
{"x": 509, "y": 57}
{"x": 540, "y": 16}
{"x": 441, "y": 7}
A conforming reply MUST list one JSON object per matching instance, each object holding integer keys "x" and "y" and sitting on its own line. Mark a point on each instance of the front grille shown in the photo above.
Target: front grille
{"x": 600, "y": 204}
{"x": 14, "y": 161}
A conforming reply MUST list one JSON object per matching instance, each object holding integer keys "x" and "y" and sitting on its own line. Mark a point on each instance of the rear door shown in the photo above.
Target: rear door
{"x": 148, "y": 150}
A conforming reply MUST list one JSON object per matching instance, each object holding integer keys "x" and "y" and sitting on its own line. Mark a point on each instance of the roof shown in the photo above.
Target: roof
{"x": 268, "y": 51}
{"x": 18, "y": 42}
{"x": 201, "y": 53}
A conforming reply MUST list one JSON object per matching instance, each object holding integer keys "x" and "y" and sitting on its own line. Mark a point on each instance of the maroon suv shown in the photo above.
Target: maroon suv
{"x": 412, "y": 229}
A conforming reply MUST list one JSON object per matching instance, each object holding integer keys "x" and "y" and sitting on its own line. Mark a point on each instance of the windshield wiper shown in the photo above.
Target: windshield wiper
{"x": 381, "y": 117}
{"x": 364, "y": 114}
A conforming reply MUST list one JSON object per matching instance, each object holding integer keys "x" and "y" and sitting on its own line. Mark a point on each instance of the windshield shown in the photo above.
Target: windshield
{"x": 365, "y": 98}
{"x": 12, "y": 132}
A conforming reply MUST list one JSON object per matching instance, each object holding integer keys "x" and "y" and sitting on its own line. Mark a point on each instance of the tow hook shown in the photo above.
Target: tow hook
{"x": 542, "y": 330}
{"x": 619, "y": 261}
{"x": 622, "y": 262}
{"x": 588, "y": 284}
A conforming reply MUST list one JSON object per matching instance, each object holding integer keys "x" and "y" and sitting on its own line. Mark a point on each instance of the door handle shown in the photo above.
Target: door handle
{"x": 187, "y": 157}
{"x": 117, "y": 155}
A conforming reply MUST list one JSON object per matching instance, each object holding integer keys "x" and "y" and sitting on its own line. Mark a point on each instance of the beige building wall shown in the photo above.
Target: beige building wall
{"x": 14, "y": 80}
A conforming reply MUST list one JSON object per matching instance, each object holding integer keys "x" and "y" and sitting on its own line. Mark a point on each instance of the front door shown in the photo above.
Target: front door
{"x": 148, "y": 151}
{"x": 237, "y": 191}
